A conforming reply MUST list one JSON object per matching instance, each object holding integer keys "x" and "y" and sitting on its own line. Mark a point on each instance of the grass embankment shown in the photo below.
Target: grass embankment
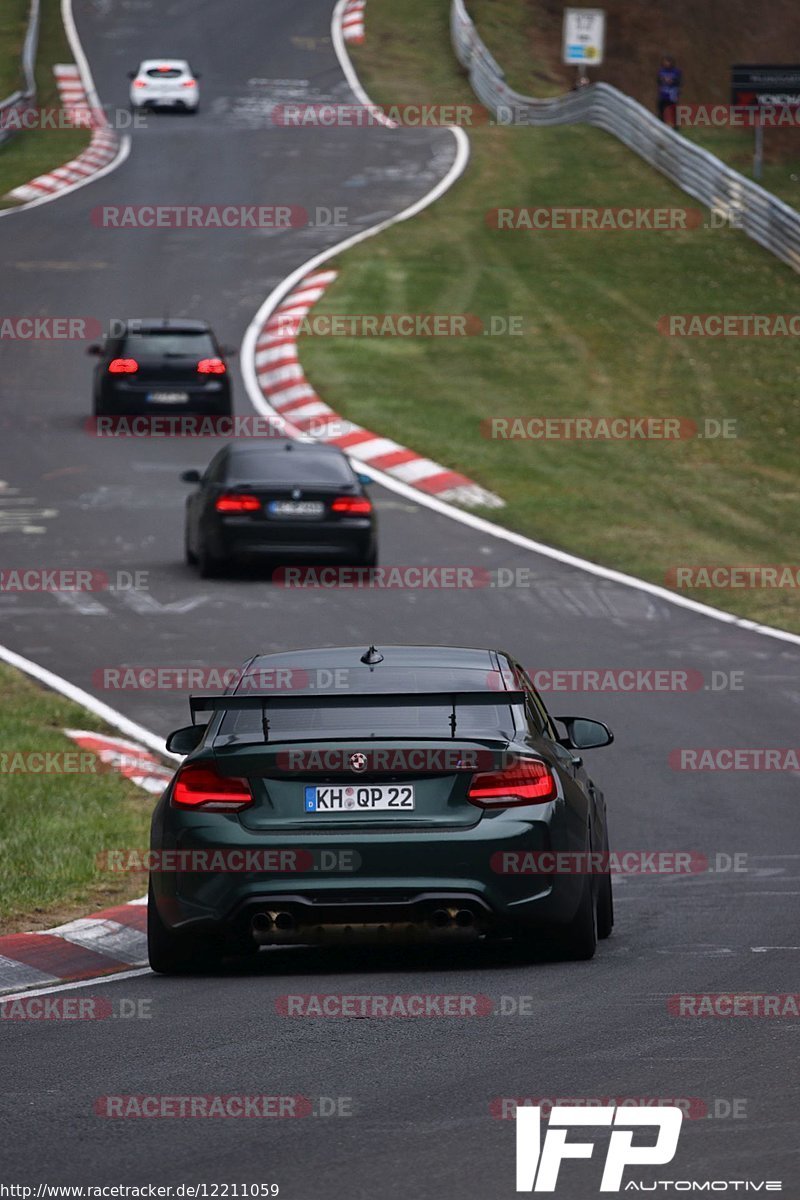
{"x": 704, "y": 40}
{"x": 13, "y": 24}
{"x": 589, "y": 304}
{"x": 34, "y": 152}
{"x": 52, "y": 826}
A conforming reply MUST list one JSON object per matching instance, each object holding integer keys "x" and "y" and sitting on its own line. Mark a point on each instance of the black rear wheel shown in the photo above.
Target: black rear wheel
{"x": 578, "y": 939}
{"x": 208, "y": 564}
{"x": 171, "y": 953}
{"x": 605, "y": 907}
{"x": 189, "y": 554}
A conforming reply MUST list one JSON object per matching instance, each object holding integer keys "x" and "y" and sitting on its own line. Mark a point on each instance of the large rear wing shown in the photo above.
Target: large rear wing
{"x": 263, "y": 702}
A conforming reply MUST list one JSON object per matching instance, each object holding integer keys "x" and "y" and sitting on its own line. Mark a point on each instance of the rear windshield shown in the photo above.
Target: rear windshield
{"x": 372, "y": 719}
{"x": 289, "y": 466}
{"x": 427, "y": 721}
{"x": 171, "y": 343}
{"x": 165, "y": 73}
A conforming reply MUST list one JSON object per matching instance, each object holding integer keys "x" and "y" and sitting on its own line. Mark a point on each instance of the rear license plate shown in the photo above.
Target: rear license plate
{"x": 168, "y": 397}
{"x": 296, "y": 508}
{"x": 366, "y": 798}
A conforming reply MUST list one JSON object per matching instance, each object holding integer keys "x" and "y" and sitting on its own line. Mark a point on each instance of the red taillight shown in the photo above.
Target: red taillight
{"x": 140, "y": 83}
{"x": 352, "y": 506}
{"x": 235, "y": 503}
{"x": 202, "y": 787}
{"x": 528, "y": 781}
{"x": 211, "y": 366}
{"x": 123, "y": 366}
{"x": 188, "y": 83}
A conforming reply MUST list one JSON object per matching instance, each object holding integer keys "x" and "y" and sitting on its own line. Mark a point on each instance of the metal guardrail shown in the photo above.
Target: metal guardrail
{"x": 18, "y": 102}
{"x": 744, "y": 204}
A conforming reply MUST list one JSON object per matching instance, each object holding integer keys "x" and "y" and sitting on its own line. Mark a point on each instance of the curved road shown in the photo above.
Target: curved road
{"x": 419, "y": 1091}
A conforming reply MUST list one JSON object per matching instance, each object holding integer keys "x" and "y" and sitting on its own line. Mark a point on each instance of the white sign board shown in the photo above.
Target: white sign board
{"x": 584, "y": 36}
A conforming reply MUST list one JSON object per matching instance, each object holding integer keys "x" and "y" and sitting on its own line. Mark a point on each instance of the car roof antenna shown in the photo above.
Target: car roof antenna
{"x": 371, "y": 657}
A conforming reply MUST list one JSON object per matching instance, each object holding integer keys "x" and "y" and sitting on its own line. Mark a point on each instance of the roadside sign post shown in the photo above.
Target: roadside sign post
{"x": 756, "y": 87}
{"x": 758, "y": 151}
{"x": 583, "y": 42}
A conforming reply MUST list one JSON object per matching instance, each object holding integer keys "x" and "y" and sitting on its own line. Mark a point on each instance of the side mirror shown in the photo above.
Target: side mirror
{"x": 131, "y": 74}
{"x": 183, "y": 741}
{"x": 94, "y": 349}
{"x": 364, "y": 480}
{"x": 190, "y": 476}
{"x": 197, "y": 75}
{"x": 585, "y": 734}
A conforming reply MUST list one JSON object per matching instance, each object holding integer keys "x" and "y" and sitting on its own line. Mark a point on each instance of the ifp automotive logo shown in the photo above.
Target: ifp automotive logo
{"x": 538, "y": 1162}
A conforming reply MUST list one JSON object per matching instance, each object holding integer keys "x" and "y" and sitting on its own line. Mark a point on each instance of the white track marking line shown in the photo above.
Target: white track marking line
{"x": 77, "y": 983}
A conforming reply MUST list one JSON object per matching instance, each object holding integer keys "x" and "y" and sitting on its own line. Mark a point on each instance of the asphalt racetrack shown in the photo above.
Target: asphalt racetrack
{"x": 419, "y": 1092}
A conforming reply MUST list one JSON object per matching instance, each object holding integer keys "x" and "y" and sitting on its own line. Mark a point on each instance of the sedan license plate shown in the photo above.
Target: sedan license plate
{"x": 168, "y": 397}
{"x": 296, "y": 508}
{"x": 364, "y": 798}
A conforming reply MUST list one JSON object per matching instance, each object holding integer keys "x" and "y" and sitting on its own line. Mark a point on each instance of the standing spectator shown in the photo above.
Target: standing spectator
{"x": 670, "y": 78}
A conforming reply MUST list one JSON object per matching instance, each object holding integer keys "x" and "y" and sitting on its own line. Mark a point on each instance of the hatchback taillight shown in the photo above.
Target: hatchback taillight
{"x": 211, "y": 366}
{"x": 188, "y": 83}
{"x": 237, "y": 503}
{"x": 140, "y": 83}
{"x": 123, "y": 366}
{"x": 352, "y": 506}
{"x": 527, "y": 781}
{"x": 201, "y": 787}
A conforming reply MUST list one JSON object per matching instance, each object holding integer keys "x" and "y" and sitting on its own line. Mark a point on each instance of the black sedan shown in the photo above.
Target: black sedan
{"x": 149, "y": 366}
{"x": 432, "y": 797}
{"x": 280, "y": 501}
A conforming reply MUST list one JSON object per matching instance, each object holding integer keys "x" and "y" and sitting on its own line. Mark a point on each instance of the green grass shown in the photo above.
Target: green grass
{"x": 781, "y": 172}
{"x": 527, "y": 44}
{"x": 13, "y": 25}
{"x": 52, "y": 826}
{"x": 589, "y": 304}
{"x": 34, "y": 152}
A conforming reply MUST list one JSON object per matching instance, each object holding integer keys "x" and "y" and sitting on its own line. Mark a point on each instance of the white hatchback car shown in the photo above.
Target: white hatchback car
{"x": 165, "y": 83}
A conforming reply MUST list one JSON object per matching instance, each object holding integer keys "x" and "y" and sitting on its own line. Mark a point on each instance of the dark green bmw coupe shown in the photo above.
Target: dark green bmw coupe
{"x": 406, "y": 793}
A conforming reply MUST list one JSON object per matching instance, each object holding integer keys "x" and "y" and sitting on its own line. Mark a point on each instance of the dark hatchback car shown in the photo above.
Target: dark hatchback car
{"x": 419, "y": 793}
{"x": 162, "y": 366}
{"x": 281, "y": 501}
